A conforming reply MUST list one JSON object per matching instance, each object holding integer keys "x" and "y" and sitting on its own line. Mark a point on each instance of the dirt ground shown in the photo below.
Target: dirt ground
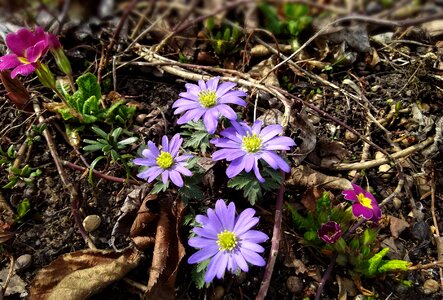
{"x": 364, "y": 80}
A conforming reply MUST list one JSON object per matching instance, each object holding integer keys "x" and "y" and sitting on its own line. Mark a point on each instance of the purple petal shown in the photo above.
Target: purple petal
{"x": 225, "y": 214}
{"x": 192, "y": 114}
{"x": 23, "y": 70}
{"x": 241, "y": 128}
{"x": 252, "y": 257}
{"x": 183, "y": 170}
{"x": 154, "y": 149}
{"x": 214, "y": 220}
{"x": 9, "y": 61}
{"x": 257, "y": 173}
{"x": 254, "y": 236}
{"x": 224, "y": 88}
{"x": 21, "y": 40}
{"x": 174, "y": 144}
{"x": 359, "y": 210}
{"x": 165, "y": 144}
{"x": 144, "y": 162}
{"x": 256, "y": 127}
{"x": 240, "y": 260}
{"x": 350, "y": 195}
{"x": 252, "y": 246}
{"x": 224, "y": 143}
{"x": 228, "y": 154}
{"x": 270, "y": 131}
{"x": 236, "y": 166}
{"x": 186, "y": 107}
{"x": 213, "y": 83}
{"x": 227, "y": 111}
{"x": 199, "y": 242}
{"x": 202, "y": 85}
{"x": 192, "y": 88}
{"x": 249, "y": 162}
{"x": 213, "y": 267}
{"x": 207, "y": 232}
{"x": 233, "y": 97}
{"x": 165, "y": 176}
{"x": 231, "y": 134}
{"x": 35, "y": 52}
{"x": 176, "y": 178}
{"x": 275, "y": 161}
{"x": 283, "y": 141}
{"x": 245, "y": 221}
{"x": 221, "y": 262}
{"x": 203, "y": 254}
{"x": 210, "y": 118}
{"x": 185, "y": 99}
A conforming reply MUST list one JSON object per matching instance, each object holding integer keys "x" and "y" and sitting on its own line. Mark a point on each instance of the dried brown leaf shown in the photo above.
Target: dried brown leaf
{"x": 309, "y": 198}
{"x": 80, "y": 274}
{"x": 397, "y": 226}
{"x": 146, "y": 215}
{"x": 305, "y": 177}
{"x": 168, "y": 251}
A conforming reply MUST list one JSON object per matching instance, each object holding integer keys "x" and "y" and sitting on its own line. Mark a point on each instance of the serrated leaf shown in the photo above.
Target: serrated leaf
{"x": 374, "y": 262}
{"x": 159, "y": 186}
{"x": 90, "y": 107}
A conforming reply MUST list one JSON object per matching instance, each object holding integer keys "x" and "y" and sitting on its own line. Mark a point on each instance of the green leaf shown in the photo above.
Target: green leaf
{"x": 92, "y": 167}
{"x": 300, "y": 221}
{"x": 127, "y": 141}
{"x": 198, "y": 273}
{"x": 90, "y": 106}
{"x": 99, "y": 132}
{"x": 23, "y": 208}
{"x": 87, "y": 87}
{"x": 159, "y": 186}
{"x": 93, "y": 147}
{"x": 393, "y": 265}
{"x": 12, "y": 182}
{"x": 369, "y": 236}
{"x": 272, "y": 23}
{"x": 374, "y": 262}
{"x": 249, "y": 184}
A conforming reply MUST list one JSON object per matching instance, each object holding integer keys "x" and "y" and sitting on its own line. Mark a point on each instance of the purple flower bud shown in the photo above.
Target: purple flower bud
{"x": 329, "y": 232}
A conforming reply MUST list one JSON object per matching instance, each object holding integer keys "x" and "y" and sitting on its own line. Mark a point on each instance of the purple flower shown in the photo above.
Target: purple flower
{"x": 26, "y": 47}
{"x": 227, "y": 240}
{"x": 364, "y": 204}
{"x": 208, "y": 100}
{"x": 329, "y": 232}
{"x": 164, "y": 161}
{"x": 244, "y": 146}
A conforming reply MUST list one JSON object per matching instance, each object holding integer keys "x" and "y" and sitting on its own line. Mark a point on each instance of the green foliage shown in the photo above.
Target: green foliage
{"x": 224, "y": 39}
{"x": 86, "y": 102}
{"x": 110, "y": 145}
{"x": 294, "y": 20}
{"x": 195, "y": 136}
{"x": 159, "y": 187}
{"x": 25, "y": 174}
{"x": 252, "y": 188}
{"x": 300, "y": 221}
{"x": 23, "y": 208}
{"x": 7, "y": 157}
{"x": 198, "y": 273}
{"x": 376, "y": 265}
{"x": 34, "y": 135}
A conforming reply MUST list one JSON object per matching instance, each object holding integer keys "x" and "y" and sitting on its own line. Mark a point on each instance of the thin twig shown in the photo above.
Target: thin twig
{"x": 10, "y": 274}
{"x": 74, "y": 195}
{"x": 275, "y": 244}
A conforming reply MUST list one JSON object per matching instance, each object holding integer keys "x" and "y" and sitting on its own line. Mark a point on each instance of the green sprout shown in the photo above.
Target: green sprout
{"x": 110, "y": 145}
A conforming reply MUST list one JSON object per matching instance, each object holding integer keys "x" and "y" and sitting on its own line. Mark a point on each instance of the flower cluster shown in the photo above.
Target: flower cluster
{"x": 227, "y": 240}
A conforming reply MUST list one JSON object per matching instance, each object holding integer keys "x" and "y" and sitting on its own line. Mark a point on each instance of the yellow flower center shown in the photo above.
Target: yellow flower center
{"x": 226, "y": 240}
{"x": 164, "y": 160}
{"x": 251, "y": 143}
{"x": 366, "y": 202}
{"x": 23, "y": 60}
{"x": 207, "y": 98}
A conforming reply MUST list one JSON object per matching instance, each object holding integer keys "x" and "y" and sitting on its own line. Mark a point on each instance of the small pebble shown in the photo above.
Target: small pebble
{"x": 430, "y": 286}
{"x": 294, "y": 284}
{"x": 384, "y": 171}
{"x": 219, "y": 292}
{"x": 396, "y": 202}
{"x": 91, "y": 223}
{"x": 350, "y": 136}
{"x": 420, "y": 231}
{"x": 23, "y": 262}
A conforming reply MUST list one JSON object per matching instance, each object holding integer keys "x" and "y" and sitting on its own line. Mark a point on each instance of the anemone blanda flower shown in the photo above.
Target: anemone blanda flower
{"x": 364, "y": 204}
{"x": 208, "y": 100}
{"x": 164, "y": 161}
{"x": 329, "y": 232}
{"x": 27, "y": 47}
{"x": 244, "y": 146}
{"x": 227, "y": 240}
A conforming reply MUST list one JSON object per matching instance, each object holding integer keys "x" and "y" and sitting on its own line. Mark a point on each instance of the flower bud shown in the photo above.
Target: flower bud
{"x": 329, "y": 232}
{"x": 45, "y": 76}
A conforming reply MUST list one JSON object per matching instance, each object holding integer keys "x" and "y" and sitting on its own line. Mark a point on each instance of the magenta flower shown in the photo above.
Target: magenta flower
{"x": 227, "y": 241}
{"x": 329, "y": 232}
{"x": 208, "y": 100}
{"x": 364, "y": 204}
{"x": 164, "y": 161}
{"x": 244, "y": 146}
{"x": 26, "y": 47}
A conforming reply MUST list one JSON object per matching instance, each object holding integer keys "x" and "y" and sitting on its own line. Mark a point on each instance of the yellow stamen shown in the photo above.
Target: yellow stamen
{"x": 207, "y": 98}
{"x": 164, "y": 160}
{"x": 226, "y": 240}
{"x": 366, "y": 202}
{"x": 251, "y": 143}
